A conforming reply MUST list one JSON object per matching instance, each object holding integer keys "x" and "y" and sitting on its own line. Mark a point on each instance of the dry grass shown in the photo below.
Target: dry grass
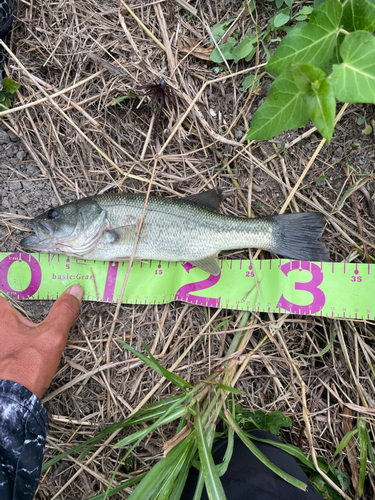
{"x": 72, "y": 59}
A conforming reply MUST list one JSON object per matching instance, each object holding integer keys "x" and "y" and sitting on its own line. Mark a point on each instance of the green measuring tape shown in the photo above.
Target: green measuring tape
{"x": 334, "y": 290}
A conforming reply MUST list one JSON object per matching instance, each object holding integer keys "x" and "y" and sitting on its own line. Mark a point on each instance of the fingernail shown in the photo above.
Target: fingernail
{"x": 77, "y": 291}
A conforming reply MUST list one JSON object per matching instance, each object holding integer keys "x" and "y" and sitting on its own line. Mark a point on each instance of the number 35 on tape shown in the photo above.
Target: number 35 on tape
{"x": 335, "y": 290}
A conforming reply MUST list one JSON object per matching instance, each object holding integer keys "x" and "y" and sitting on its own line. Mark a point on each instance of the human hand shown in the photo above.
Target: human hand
{"x": 30, "y": 353}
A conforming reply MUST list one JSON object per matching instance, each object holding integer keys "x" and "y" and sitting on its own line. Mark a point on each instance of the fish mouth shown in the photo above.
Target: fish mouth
{"x": 43, "y": 239}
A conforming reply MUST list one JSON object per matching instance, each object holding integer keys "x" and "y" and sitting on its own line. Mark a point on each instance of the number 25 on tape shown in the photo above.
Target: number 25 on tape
{"x": 311, "y": 286}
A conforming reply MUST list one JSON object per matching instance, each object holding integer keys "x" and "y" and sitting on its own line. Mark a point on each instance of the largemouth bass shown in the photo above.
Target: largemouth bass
{"x": 104, "y": 227}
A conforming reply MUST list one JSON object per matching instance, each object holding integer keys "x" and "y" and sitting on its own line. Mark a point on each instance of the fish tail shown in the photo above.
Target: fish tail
{"x": 296, "y": 236}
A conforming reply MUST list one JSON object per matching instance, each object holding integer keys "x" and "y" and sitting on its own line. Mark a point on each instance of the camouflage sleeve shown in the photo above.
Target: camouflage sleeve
{"x": 23, "y": 429}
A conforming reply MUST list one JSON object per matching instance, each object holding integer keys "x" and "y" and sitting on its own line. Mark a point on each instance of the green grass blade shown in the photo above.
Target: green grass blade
{"x": 182, "y": 477}
{"x": 155, "y": 365}
{"x": 214, "y": 487}
{"x": 291, "y": 450}
{"x": 118, "y": 488}
{"x": 153, "y": 480}
{"x": 362, "y": 455}
{"x": 284, "y": 475}
{"x": 179, "y": 466}
{"x": 370, "y": 449}
{"x": 344, "y": 441}
{"x": 163, "y": 420}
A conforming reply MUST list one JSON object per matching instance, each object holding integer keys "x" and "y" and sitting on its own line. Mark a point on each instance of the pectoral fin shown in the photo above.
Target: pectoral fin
{"x": 209, "y": 264}
{"x": 124, "y": 235}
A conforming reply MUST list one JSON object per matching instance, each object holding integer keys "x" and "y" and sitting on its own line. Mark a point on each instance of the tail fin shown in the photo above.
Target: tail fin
{"x": 297, "y": 236}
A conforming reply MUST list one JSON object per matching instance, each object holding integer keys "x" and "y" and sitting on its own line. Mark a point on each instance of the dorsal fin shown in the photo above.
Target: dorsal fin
{"x": 210, "y": 199}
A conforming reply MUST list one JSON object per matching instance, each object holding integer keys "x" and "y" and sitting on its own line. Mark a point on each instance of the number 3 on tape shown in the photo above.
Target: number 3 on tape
{"x": 311, "y": 286}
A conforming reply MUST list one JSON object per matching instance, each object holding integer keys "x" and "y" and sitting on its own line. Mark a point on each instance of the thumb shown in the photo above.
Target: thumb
{"x": 65, "y": 310}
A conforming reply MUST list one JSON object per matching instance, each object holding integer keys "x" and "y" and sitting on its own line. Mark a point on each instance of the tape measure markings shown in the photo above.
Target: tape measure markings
{"x": 337, "y": 290}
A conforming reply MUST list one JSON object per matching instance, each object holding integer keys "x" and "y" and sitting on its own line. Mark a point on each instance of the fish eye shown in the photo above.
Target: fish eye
{"x": 52, "y": 213}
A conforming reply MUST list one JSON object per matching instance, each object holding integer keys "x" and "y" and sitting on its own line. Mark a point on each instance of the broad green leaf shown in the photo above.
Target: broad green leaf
{"x": 226, "y": 49}
{"x": 10, "y": 85}
{"x": 283, "y": 109}
{"x": 358, "y": 15}
{"x": 318, "y": 95}
{"x": 313, "y": 43}
{"x": 354, "y": 79}
{"x": 219, "y": 30}
{"x": 5, "y": 103}
{"x": 282, "y": 18}
{"x": 344, "y": 441}
{"x": 243, "y": 49}
{"x": 247, "y": 441}
{"x": 362, "y": 455}
{"x": 276, "y": 420}
{"x": 367, "y": 130}
{"x": 155, "y": 365}
{"x": 212, "y": 481}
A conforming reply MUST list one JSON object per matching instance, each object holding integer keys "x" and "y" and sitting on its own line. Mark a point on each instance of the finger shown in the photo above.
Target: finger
{"x": 64, "y": 311}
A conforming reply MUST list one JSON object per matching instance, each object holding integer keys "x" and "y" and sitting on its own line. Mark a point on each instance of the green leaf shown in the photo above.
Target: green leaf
{"x": 247, "y": 441}
{"x": 212, "y": 481}
{"x": 5, "y": 103}
{"x": 226, "y": 49}
{"x": 370, "y": 449}
{"x": 230, "y": 389}
{"x": 313, "y": 43}
{"x": 354, "y": 79}
{"x": 282, "y": 18}
{"x": 10, "y": 85}
{"x": 367, "y": 130}
{"x": 358, "y": 15}
{"x": 360, "y": 120}
{"x": 320, "y": 179}
{"x": 276, "y": 420}
{"x": 117, "y": 489}
{"x": 160, "y": 471}
{"x": 362, "y": 455}
{"x": 283, "y": 109}
{"x": 288, "y": 448}
{"x": 344, "y": 441}
{"x": 155, "y": 365}
{"x": 219, "y": 30}
{"x": 243, "y": 49}
{"x": 318, "y": 95}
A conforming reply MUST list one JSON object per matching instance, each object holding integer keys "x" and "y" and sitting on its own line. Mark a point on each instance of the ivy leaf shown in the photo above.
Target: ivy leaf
{"x": 313, "y": 43}
{"x": 243, "y": 49}
{"x": 358, "y": 15}
{"x": 226, "y": 49}
{"x": 10, "y": 85}
{"x": 318, "y": 95}
{"x": 283, "y": 109}
{"x": 354, "y": 79}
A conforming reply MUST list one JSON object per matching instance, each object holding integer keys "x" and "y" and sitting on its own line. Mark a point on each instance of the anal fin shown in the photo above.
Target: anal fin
{"x": 209, "y": 264}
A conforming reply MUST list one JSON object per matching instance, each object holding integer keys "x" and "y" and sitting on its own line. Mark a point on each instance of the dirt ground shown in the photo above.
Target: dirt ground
{"x": 80, "y": 144}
